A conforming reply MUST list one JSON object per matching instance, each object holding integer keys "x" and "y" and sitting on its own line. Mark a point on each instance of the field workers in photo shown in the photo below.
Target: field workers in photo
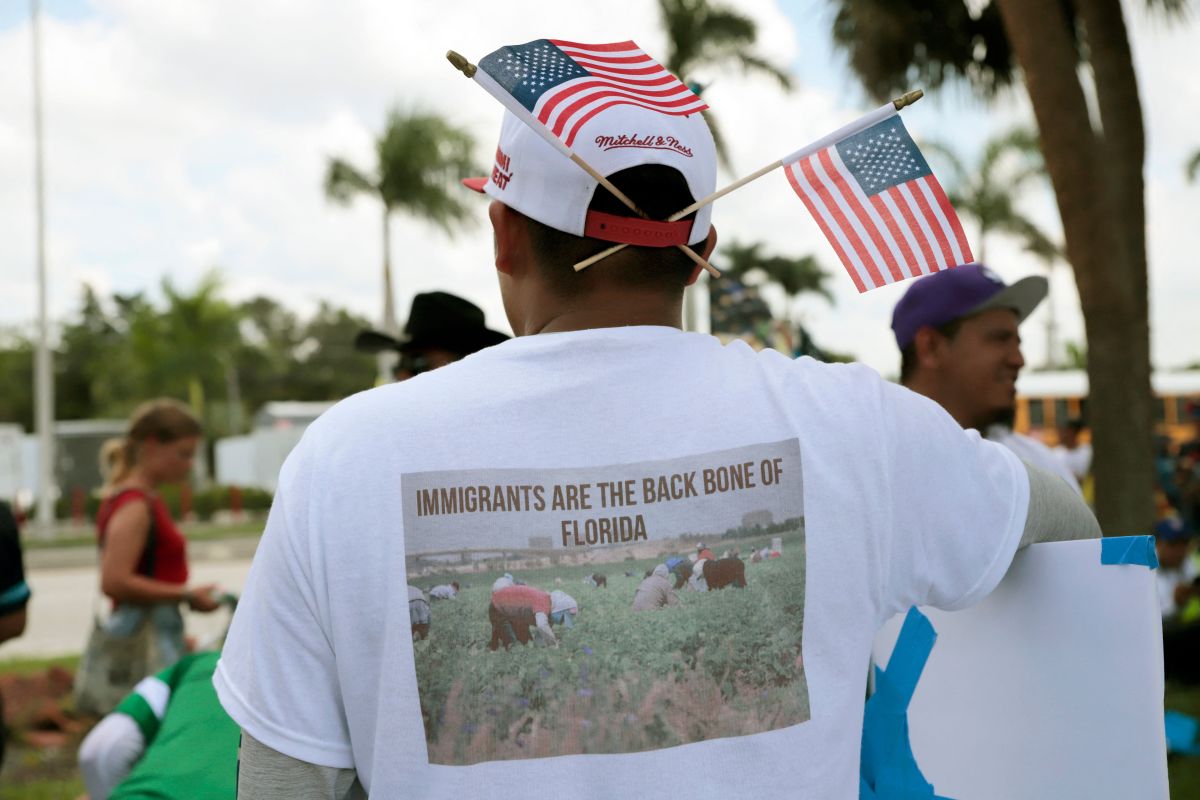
{"x": 722, "y": 663}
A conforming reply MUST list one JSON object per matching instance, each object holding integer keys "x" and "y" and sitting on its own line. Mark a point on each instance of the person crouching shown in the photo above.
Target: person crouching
{"x": 519, "y": 614}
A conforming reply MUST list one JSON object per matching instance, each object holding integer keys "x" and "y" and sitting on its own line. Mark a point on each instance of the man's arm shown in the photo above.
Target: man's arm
{"x": 267, "y": 774}
{"x": 1056, "y": 511}
{"x": 542, "y": 623}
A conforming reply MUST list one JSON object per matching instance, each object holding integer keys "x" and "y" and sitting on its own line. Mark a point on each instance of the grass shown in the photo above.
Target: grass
{"x": 30, "y": 666}
{"x": 620, "y": 681}
{"x": 45, "y": 789}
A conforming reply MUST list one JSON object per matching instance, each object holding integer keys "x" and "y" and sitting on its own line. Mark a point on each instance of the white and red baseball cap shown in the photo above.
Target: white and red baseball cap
{"x": 531, "y": 176}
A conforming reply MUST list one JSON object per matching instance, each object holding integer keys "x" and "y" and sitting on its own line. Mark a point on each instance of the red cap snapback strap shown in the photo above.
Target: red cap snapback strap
{"x": 636, "y": 231}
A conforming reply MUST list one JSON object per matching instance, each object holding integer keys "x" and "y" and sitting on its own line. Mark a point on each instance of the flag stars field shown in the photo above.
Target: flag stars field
{"x": 880, "y": 207}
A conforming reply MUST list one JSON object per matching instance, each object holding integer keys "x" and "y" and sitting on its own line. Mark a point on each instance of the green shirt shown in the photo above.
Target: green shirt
{"x": 191, "y": 743}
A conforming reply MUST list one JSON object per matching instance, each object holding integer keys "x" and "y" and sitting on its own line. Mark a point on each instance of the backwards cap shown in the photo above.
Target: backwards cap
{"x": 532, "y": 177}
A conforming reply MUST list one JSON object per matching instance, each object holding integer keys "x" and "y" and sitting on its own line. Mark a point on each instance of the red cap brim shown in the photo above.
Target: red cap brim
{"x": 475, "y": 184}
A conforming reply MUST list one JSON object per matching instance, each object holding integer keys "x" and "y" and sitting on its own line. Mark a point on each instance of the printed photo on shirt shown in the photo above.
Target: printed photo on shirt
{"x": 609, "y": 609}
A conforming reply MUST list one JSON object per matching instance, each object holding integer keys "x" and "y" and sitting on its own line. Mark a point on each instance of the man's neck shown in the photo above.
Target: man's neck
{"x": 605, "y": 308}
{"x": 931, "y": 389}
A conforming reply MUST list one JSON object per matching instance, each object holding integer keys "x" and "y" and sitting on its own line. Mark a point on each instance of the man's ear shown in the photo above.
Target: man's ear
{"x": 709, "y": 245}
{"x": 927, "y": 345}
{"x": 509, "y": 237}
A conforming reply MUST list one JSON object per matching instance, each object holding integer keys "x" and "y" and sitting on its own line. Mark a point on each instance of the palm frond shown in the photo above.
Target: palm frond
{"x": 795, "y": 276}
{"x": 421, "y": 159}
{"x": 702, "y": 35}
{"x": 343, "y": 181}
{"x": 752, "y": 63}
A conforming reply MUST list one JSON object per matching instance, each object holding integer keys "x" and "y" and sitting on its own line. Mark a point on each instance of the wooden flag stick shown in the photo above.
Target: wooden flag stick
{"x": 860, "y": 124}
{"x": 847, "y": 130}
{"x": 603, "y": 254}
{"x": 607, "y": 184}
{"x": 683, "y": 212}
{"x": 468, "y": 69}
{"x": 617, "y": 193}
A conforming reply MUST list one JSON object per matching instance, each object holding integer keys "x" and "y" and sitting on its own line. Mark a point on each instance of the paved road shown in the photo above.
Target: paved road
{"x": 64, "y": 597}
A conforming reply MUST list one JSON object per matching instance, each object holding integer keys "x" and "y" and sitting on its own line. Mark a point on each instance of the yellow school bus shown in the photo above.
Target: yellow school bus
{"x": 1046, "y": 400}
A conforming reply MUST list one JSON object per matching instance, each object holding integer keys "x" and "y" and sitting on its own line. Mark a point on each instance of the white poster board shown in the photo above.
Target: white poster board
{"x": 1050, "y": 687}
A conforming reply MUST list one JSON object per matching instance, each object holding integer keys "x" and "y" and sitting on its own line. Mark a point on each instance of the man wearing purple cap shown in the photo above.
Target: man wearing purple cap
{"x": 959, "y": 346}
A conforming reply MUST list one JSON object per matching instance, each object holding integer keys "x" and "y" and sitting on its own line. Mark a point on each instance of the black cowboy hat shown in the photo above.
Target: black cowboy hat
{"x": 437, "y": 319}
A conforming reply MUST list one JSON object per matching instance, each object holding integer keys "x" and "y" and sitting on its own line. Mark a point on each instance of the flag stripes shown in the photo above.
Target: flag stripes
{"x": 619, "y": 73}
{"x": 904, "y": 231}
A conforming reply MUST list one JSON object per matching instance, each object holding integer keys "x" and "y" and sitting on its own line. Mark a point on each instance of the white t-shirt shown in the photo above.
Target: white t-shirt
{"x": 1035, "y": 452}
{"x": 1078, "y": 459}
{"x": 558, "y": 455}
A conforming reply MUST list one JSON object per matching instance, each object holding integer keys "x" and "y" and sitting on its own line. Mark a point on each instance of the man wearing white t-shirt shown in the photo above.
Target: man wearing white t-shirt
{"x": 959, "y": 346}
{"x": 604, "y": 433}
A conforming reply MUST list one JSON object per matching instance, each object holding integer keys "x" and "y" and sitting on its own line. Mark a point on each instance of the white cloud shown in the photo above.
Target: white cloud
{"x": 187, "y": 135}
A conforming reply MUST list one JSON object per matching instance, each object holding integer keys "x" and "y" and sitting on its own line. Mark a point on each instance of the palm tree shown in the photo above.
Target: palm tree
{"x": 419, "y": 157}
{"x": 988, "y": 191}
{"x": 1095, "y": 154}
{"x": 198, "y": 333}
{"x": 794, "y": 275}
{"x": 182, "y": 351}
{"x": 701, "y": 35}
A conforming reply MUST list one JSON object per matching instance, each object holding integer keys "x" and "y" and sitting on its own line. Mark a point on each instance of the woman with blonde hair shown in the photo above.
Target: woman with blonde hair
{"x": 143, "y": 555}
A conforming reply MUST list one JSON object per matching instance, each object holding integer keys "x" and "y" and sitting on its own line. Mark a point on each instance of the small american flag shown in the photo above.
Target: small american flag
{"x": 880, "y": 206}
{"x": 564, "y": 84}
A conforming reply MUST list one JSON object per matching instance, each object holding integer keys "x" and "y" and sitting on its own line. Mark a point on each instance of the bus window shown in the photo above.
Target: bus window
{"x": 1037, "y": 416}
{"x": 1160, "y": 410}
{"x": 1061, "y": 415}
{"x": 1181, "y": 410}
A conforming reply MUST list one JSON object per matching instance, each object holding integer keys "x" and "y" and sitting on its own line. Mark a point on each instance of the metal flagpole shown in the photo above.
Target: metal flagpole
{"x": 43, "y": 367}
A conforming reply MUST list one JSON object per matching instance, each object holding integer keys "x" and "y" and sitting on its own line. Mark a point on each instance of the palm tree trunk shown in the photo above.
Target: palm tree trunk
{"x": 1094, "y": 208}
{"x": 196, "y": 401}
{"x": 1125, "y": 371}
{"x": 390, "y": 326}
{"x": 386, "y": 360}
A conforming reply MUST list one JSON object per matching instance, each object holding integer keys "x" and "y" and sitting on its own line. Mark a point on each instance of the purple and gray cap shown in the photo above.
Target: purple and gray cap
{"x": 960, "y": 292}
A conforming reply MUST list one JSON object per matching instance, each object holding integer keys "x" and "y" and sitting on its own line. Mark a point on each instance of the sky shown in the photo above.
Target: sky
{"x": 186, "y": 136}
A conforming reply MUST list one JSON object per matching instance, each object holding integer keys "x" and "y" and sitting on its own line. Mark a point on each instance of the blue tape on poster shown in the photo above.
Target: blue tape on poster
{"x": 1183, "y": 734}
{"x": 888, "y": 769}
{"x": 1129, "y": 550}
{"x": 913, "y": 646}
